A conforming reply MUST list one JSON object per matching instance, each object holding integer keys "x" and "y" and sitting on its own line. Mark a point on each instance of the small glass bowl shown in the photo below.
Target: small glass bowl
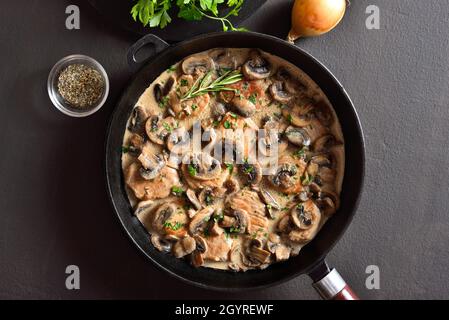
{"x": 52, "y": 85}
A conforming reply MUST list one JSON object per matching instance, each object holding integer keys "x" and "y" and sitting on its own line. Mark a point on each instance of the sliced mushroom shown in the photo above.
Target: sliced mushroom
{"x": 243, "y": 106}
{"x": 256, "y": 256}
{"x": 324, "y": 113}
{"x": 138, "y": 118}
{"x": 273, "y": 241}
{"x": 193, "y": 199}
{"x": 270, "y": 138}
{"x": 227, "y": 222}
{"x": 297, "y": 136}
{"x": 241, "y": 220}
{"x": 162, "y": 90}
{"x": 201, "y": 244}
{"x": 143, "y": 206}
{"x": 152, "y": 165}
{"x": 325, "y": 143}
{"x": 197, "y": 259}
{"x": 270, "y": 202}
{"x": 197, "y": 64}
{"x": 252, "y": 172}
{"x": 301, "y": 218}
{"x": 200, "y": 219}
{"x": 161, "y": 244}
{"x": 299, "y": 115}
{"x": 282, "y": 253}
{"x": 136, "y": 143}
{"x": 207, "y": 197}
{"x": 218, "y": 109}
{"x": 279, "y": 92}
{"x": 184, "y": 247}
{"x": 284, "y": 224}
{"x": 328, "y": 201}
{"x": 178, "y": 141}
{"x": 158, "y": 129}
{"x": 203, "y": 166}
{"x": 284, "y": 176}
{"x": 235, "y": 256}
{"x": 256, "y": 68}
{"x": 231, "y": 185}
{"x": 306, "y": 221}
{"x": 224, "y": 59}
{"x": 162, "y": 214}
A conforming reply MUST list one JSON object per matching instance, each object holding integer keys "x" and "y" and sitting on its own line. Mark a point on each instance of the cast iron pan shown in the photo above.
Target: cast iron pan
{"x": 119, "y": 12}
{"x": 311, "y": 258}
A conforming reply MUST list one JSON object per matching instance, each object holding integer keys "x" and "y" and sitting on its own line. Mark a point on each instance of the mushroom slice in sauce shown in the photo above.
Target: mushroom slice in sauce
{"x": 297, "y": 136}
{"x": 325, "y": 143}
{"x": 178, "y": 141}
{"x": 138, "y": 118}
{"x": 161, "y": 244}
{"x": 162, "y": 215}
{"x": 280, "y": 93}
{"x": 324, "y": 113}
{"x": 197, "y": 64}
{"x": 257, "y": 67}
{"x": 224, "y": 59}
{"x": 193, "y": 199}
{"x": 162, "y": 90}
{"x": 306, "y": 222}
{"x": 158, "y": 129}
{"x": 252, "y": 172}
{"x": 241, "y": 220}
{"x": 270, "y": 202}
{"x": 152, "y": 164}
{"x": 243, "y": 106}
{"x": 184, "y": 247}
{"x": 200, "y": 219}
{"x": 203, "y": 166}
{"x": 299, "y": 115}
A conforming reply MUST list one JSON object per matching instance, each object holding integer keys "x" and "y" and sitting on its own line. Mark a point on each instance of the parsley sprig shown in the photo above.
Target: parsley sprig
{"x": 155, "y": 13}
{"x": 206, "y": 84}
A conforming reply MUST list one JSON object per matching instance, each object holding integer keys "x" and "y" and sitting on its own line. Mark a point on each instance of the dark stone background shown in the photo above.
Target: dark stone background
{"x": 54, "y": 209}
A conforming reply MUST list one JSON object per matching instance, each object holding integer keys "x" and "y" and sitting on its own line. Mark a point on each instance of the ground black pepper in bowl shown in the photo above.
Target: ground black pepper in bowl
{"x": 81, "y": 86}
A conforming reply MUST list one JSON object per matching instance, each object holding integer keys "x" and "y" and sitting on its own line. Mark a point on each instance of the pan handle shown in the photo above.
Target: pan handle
{"x": 158, "y": 44}
{"x": 329, "y": 283}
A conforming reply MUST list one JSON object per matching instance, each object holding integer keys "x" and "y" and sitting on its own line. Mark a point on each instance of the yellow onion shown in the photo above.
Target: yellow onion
{"x": 315, "y": 17}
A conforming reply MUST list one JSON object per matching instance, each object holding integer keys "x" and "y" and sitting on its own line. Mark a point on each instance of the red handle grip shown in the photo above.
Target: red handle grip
{"x": 346, "y": 294}
{"x": 333, "y": 287}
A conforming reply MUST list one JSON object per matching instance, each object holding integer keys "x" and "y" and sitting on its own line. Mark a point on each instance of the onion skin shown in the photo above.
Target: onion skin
{"x": 315, "y": 17}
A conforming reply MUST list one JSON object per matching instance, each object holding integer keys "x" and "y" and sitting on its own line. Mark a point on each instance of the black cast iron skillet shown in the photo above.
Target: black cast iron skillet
{"x": 311, "y": 259}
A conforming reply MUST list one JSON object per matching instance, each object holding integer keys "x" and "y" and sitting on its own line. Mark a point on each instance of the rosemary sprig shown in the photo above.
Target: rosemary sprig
{"x": 206, "y": 84}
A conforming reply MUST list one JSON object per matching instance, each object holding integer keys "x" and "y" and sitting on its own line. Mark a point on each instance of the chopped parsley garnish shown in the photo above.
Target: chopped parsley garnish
{"x": 194, "y": 107}
{"x": 301, "y": 153}
{"x": 164, "y": 102}
{"x": 290, "y": 118}
{"x": 306, "y": 179}
{"x": 219, "y": 217}
{"x": 177, "y": 191}
{"x": 184, "y": 83}
{"x": 125, "y": 149}
{"x": 172, "y": 68}
{"x": 227, "y": 124}
{"x": 173, "y": 226}
{"x": 233, "y": 115}
{"x": 167, "y": 127}
{"x": 230, "y": 167}
{"x": 253, "y": 98}
{"x": 192, "y": 170}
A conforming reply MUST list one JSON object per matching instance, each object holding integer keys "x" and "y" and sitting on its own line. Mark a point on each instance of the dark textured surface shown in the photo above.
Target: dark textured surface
{"x": 53, "y": 204}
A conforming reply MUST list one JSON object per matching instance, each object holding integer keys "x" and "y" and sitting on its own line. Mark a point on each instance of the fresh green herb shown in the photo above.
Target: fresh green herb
{"x": 209, "y": 199}
{"x": 253, "y": 98}
{"x": 290, "y": 118}
{"x": 219, "y": 217}
{"x": 227, "y": 124}
{"x": 301, "y": 153}
{"x": 167, "y": 127}
{"x": 233, "y": 115}
{"x": 172, "y": 68}
{"x": 216, "y": 123}
{"x": 155, "y": 13}
{"x": 234, "y": 230}
{"x": 175, "y": 226}
{"x": 184, "y": 83}
{"x": 207, "y": 219}
{"x": 125, "y": 149}
{"x": 230, "y": 167}
{"x": 192, "y": 170}
{"x": 177, "y": 191}
{"x": 194, "y": 107}
{"x": 164, "y": 102}
{"x": 306, "y": 179}
{"x": 206, "y": 84}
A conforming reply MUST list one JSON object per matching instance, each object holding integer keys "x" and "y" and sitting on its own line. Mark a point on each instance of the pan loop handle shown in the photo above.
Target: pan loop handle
{"x": 157, "y": 43}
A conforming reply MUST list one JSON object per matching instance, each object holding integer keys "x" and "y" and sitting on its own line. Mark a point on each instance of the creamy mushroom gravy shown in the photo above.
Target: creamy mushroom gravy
{"x": 229, "y": 216}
